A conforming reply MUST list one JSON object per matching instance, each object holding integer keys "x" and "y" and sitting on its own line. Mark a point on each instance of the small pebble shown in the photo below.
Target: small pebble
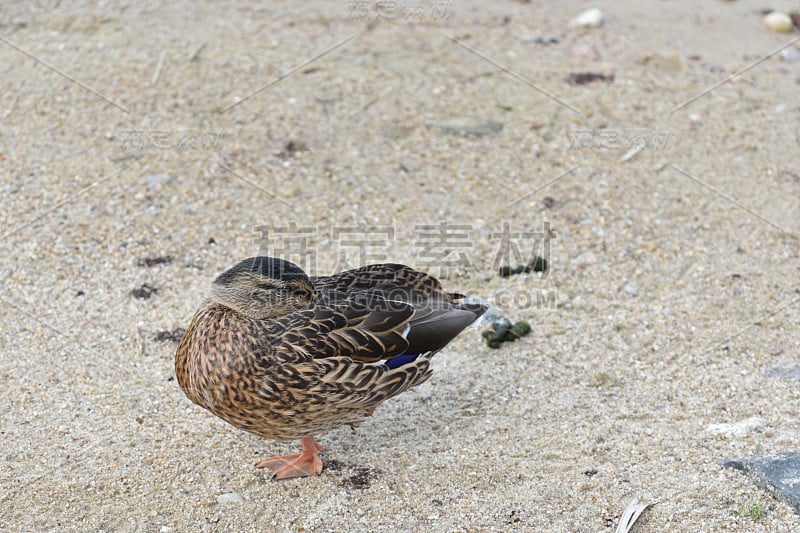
{"x": 630, "y": 290}
{"x": 666, "y": 60}
{"x": 784, "y": 370}
{"x": 584, "y": 51}
{"x": 737, "y": 429}
{"x": 466, "y": 125}
{"x": 144, "y": 292}
{"x": 156, "y": 179}
{"x": 777, "y": 21}
{"x": 591, "y": 18}
{"x": 229, "y": 497}
{"x": 790, "y": 55}
{"x": 582, "y": 78}
{"x": 538, "y": 39}
{"x": 495, "y": 319}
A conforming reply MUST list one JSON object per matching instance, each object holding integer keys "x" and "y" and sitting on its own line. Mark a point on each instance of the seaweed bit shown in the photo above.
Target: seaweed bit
{"x": 538, "y": 264}
{"x": 504, "y": 331}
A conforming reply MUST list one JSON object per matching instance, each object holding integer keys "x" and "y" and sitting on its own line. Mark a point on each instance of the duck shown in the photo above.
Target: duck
{"x": 285, "y": 356}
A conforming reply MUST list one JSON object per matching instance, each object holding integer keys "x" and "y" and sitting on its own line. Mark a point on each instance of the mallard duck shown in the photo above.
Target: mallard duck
{"x": 286, "y": 356}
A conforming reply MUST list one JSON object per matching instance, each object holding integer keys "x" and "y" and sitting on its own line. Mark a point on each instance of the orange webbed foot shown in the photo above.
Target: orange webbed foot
{"x": 305, "y": 463}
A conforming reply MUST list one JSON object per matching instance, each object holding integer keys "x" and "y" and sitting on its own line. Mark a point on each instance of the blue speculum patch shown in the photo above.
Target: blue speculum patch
{"x": 400, "y": 360}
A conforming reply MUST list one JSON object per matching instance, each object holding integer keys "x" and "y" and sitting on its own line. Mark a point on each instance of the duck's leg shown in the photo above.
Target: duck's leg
{"x": 305, "y": 463}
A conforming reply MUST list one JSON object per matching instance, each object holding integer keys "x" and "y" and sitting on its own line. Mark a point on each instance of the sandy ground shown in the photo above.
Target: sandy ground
{"x": 131, "y": 131}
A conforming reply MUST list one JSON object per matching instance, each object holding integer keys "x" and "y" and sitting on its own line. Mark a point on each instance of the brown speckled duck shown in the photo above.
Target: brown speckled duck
{"x": 285, "y": 356}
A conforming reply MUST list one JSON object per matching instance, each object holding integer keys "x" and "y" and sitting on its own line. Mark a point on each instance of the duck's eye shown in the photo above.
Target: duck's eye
{"x": 291, "y": 289}
{"x": 298, "y": 292}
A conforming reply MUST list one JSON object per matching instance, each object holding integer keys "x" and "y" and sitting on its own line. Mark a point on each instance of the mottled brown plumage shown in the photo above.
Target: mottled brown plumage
{"x": 285, "y": 356}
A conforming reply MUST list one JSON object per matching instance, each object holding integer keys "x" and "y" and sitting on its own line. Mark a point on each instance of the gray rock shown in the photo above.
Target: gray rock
{"x": 779, "y": 474}
{"x": 466, "y": 125}
{"x": 784, "y": 370}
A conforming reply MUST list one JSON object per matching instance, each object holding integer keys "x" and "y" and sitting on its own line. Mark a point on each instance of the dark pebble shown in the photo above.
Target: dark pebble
{"x": 174, "y": 336}
{"x": 153, "y": 261}
{"x": 583, "y": 78}
{"x": 144, "y": 292}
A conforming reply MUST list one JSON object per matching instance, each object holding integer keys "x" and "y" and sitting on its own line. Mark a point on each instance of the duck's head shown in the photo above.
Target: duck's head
{"x": 263, "y": 287}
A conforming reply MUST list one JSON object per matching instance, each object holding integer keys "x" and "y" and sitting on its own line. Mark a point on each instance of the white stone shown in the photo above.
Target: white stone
{"x": 737, "y": 429}
{"x": 790, "y": 55}
{"x": 777, "y": 21}
{"x": 229, "y": 497}
{"x": 591, "y": 18}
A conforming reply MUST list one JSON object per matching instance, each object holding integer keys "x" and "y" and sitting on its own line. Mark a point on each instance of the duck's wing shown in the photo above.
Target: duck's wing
{"x": 355, "y": 351}
{"x": 372, "y": 325}
{"x": 342, "y": 329}
{"x": 337, "y": 355}
{"x": 380, "y": 275}
{"x": 438, "y": 317}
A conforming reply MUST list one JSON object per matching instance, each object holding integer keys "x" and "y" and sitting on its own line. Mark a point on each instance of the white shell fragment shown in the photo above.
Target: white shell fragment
{"x": 737, "y": 429}
{"x": 631, "y": 515}
{"x": 777, "y": 21}
{"x": 466, "y": 125}
{"x": 790, "y": 55}
{"x": 591, "y": 18}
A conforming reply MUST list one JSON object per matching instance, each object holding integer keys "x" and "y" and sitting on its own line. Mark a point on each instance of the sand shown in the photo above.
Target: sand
{"x": 133, "y": 131}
